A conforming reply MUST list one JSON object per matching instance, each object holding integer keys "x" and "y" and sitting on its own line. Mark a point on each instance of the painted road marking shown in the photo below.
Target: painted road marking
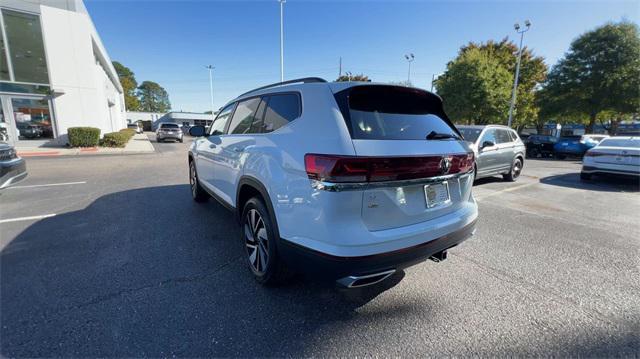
{"x": 31, "y": 218}
{"x": 47, "y": 185}
{"x": 510, "y": 189}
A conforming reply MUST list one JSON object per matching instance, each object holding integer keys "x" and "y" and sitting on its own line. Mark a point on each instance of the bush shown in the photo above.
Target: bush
{"x": 129, "y": 131}
{"x": 116, "y": 139}
{"x": 83, "y": 136}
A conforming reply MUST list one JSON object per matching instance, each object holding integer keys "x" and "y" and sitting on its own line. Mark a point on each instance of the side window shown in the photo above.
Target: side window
{"x": 489, "y": 135}
{"x": 256, "y": 127}
{"x": 514, "y": 136}
{"x": 281, "y": 109}
{"x": 218, "y": 125}
{"x": 243, "y": 116}
{"x": 503, "y": 136}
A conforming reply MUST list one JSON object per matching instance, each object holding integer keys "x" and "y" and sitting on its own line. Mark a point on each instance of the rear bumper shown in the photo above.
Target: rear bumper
{"x": 614, "y": 171}
{"x": 326, "y": 266}
{"x": 164, "y": 136}
{"x": 12, "y": 171}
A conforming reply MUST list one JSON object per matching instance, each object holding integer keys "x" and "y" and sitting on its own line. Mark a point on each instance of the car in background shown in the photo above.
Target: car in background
{"x": 12, "y": 167}
{"x": 595, "y": 138}
{"x": 31, "y": 131}
{"x": 169, "y": 131}
{"x": 613, "y": 155}
{"x": 571, "y": 146}
{"x": 136, "y": 126}
{"x": 498, "y": 150}
{"x": 540, "y": 145}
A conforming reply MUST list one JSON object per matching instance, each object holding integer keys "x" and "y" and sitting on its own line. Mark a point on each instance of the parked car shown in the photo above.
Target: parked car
{"x": 136, "y": 126}
{"x": 170, "y": 131}
{"x": 12, "y": 168}
{"x": 613, "y": 155}
{"x": 498, "y": 150}
{"x": 348, "y": 181}
{"x": 540, "y": 145}
{"x": 574, "y": 146}
{"x": 596, "y": 138}
{"x": 31, "y": 131}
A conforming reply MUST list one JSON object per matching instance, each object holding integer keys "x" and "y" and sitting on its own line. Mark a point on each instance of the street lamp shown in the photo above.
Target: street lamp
{"x": 409, "y": 59}
{"x": 527, "y": 25}
{"x": 281, "y": 40}
{"x": 210, "y": 67}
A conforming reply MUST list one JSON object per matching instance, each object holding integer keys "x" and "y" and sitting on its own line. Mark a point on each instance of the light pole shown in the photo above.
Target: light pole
{"x": 409, "y": 59}
{"x": 433, "y": 79}
{"x": 281, "y": 40}
{"x": 527, "y": 25}
{"x": 210, "y": 67}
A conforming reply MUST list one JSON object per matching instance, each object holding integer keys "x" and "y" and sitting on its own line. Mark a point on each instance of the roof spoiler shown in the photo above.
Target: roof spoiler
{"x": 304, "y": 80}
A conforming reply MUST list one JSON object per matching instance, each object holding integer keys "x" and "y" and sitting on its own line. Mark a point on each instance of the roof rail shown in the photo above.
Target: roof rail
{"x": 304, "y": 80}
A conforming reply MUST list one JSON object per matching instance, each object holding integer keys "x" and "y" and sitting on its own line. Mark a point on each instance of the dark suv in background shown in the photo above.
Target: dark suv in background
{"x": 540, "y": 145}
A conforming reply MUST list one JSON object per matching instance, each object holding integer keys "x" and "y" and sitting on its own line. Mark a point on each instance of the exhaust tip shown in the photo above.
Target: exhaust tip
{"x": 354, "y": 281}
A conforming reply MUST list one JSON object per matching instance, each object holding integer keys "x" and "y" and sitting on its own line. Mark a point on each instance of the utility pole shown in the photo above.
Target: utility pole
{"x": 527, "y": 23}
{"x": 281, "y": 40}
{"x": 409, "y": 59}
{"x": 210, "y": 67}
{"x": 433, "y": 78}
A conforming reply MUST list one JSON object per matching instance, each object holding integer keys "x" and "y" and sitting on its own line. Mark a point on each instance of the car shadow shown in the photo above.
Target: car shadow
{"x": 487, "y": 180}
{"x": 601, "y": 183}
{"x": 150, "y": 273}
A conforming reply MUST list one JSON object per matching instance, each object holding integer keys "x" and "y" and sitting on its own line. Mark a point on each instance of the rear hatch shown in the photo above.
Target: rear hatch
{"x": 616, "y": 155}
{"x": 406, "y": 134}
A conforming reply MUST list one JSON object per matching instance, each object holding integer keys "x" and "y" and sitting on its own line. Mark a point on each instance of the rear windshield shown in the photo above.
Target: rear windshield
{"x": 621, "y": 142}
{"x": 379, "y": 112}
{"x": 169, "y": 125}
{"x": 470, "y": 134}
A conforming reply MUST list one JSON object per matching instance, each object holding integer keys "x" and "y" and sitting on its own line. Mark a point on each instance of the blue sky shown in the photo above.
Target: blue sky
{"x": 170, "y": 42}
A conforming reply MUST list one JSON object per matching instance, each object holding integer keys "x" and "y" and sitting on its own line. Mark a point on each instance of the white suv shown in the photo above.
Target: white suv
{"x": 346, "y": 180}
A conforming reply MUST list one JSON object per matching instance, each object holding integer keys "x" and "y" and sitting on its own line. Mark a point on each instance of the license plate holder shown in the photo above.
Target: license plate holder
{"x": 437, "y": 194}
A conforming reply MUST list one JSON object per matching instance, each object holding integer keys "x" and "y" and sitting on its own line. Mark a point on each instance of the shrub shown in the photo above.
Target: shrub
{"x": 115, "y": 139}
{"x": 129, "y": 131}
{"x": 83, "y": 136}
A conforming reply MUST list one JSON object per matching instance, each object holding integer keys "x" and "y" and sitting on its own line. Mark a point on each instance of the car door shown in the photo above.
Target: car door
{"x": 505, "y": 149}
{"x": 208, "y": 149}
{"x": 228, "y": 170}
{"x": 488, "y": 156}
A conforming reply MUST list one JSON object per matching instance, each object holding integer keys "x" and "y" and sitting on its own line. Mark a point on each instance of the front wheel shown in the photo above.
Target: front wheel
{"x": 197, "y": 192}
{"x": 514, "y": 173}
{"x": 259, "y": 238}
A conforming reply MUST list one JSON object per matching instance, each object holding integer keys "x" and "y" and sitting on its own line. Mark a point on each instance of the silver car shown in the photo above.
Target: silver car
{"x": 498, "y": 149}
{"x": 169, "y": 131}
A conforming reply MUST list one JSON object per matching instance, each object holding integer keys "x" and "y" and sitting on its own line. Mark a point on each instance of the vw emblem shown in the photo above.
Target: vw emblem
{"x": 445, "y": 165}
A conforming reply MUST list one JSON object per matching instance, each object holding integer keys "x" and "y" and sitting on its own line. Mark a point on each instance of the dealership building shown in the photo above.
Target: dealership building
{"x": 54, "y": 73}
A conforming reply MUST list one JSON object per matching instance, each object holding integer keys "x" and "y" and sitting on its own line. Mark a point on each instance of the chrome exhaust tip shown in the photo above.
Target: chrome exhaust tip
{"x": 355, "y": 281}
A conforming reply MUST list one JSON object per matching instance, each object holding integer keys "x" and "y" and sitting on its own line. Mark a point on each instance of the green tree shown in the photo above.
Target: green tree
{"x": 350, "y": 77}
{"x": 153, "y": 98}
{"x": 129, "y": 84}
{"x": 490, "y": 67}
{"x": 600, "y": 72}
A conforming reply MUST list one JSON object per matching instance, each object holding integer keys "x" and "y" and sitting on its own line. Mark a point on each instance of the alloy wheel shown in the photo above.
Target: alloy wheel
{"x": 256, "y": 241}
{"x": 193, "y": 180}
{"x": 517, "y": 168}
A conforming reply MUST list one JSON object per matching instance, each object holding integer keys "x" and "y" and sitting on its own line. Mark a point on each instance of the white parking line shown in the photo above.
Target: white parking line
{"x": 510, "y": 189}
{"x": 47, "y": 185}
{"x": 31, "y": 218}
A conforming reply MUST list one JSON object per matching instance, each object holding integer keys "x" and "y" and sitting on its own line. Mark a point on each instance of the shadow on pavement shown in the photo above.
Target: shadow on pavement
{"x": 148, "y": 272}
{"x": 602, "y": 183}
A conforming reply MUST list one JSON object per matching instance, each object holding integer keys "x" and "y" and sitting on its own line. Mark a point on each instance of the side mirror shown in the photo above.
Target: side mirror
{"x": 197, "y": 131}
{"x": 487, "y": 144}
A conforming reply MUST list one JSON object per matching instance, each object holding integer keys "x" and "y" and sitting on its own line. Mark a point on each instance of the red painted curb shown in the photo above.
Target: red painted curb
{"x": 34, "y": 154}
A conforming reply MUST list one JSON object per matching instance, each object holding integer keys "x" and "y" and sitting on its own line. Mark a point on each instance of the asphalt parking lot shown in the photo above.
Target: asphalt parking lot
{"x": 119, "y": 261}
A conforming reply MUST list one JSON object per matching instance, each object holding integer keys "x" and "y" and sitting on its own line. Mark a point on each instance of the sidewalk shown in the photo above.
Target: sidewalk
{"x": 139, "y": 143}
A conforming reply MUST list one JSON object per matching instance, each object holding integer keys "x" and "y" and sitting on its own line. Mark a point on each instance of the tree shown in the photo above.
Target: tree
{"x": 600, "y": 72}
{"x": 128, "y": 82}
{"x": 490, "y": 67}
{"x": 153, "y": 98}
{"x": 350, "y": 77}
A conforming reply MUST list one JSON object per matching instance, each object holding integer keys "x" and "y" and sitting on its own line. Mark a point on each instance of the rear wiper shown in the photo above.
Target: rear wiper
{"x": 433, "y": 135}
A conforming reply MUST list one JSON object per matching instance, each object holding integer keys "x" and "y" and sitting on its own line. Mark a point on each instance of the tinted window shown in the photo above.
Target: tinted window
{"x": 394, "y": 113}
{"x": 243, "y": 116}
{"x": 514, "y": 136}
{"x": 26, "y": 47}
{"x": 169, "y": 125}
{"x": 256, "y": 127}
{"x": 281, "y": 109}
{"x": 620, "y": 142}
{"x": 502, "y": 136}
{"x": 489, "y": 135}
{"x": 470, "y": 134}
{"x": 218, "y": 125}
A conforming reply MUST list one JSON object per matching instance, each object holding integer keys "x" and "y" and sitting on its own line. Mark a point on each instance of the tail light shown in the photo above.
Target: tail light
{"x": 350, "y": 169}
{"x": 594, "y": 154}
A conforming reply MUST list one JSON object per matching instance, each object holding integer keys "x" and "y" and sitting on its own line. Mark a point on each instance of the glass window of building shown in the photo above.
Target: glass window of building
{"x": 4, "y": 64}
{"x": 26, "y": 47}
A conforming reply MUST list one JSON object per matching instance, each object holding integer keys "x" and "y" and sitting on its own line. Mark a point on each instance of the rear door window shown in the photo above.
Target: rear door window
{"x": 502, "y": 136}
{"x": 281, "y": 109}
{"x": 243, "y": 116}
{"x": 394, "y": 113}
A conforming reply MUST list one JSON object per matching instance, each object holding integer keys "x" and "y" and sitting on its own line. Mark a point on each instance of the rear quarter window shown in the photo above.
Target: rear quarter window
{"x": 281, "y": 109}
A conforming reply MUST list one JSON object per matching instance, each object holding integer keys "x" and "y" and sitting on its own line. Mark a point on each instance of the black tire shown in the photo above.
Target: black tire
{"x": 180, "y": 139}
{"x": 197, "y": 192}
{"x": 259, "y": 239}
{"x": 514, "y": 172}
{"x": 159, "y": 140}
{"x": 585, "y": 176}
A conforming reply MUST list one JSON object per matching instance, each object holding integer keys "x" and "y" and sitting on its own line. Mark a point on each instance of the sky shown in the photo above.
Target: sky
{"x": 171, "y": 42}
